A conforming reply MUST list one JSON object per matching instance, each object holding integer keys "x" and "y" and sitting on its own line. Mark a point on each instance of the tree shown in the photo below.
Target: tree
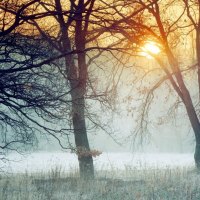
{"x": 72, "y": 29}
{"x": 28, "y": 96}
{"x": 71, "y": 23}
{"x": 76, "y": 75}
{"x": 156, "y": 24}
{"x": 78, "y": 29}
{"x": 31, "y": 97}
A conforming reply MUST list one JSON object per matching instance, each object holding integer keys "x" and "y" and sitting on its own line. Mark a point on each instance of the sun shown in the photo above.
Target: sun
{"x": 150, "y": 49}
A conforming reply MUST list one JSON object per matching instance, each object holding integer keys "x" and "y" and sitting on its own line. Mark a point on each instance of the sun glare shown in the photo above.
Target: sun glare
{"x": 150, "y": 49}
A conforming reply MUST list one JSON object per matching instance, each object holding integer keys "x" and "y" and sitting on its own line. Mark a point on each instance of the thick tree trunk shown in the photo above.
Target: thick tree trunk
{"x": 82, "y": 144}
{"x": 81, "y": 140}
{"x": 77, "y": 77}
{"x": 77, "y": 80}
{"x": 78, "y": 87}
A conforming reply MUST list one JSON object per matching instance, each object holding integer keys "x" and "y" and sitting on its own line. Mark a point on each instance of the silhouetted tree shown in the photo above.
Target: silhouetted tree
{"x": 157, "y": 24}
{"x": 66, "y": 34}
{"x": 31, "y": 96}
{"x": 72, "y": 29}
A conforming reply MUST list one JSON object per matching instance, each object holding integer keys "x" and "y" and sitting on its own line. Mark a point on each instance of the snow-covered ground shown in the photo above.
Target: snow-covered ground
{"x": 43, "y": 162}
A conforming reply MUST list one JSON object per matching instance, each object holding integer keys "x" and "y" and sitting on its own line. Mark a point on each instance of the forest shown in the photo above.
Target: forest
{"x": 75, "y": 68}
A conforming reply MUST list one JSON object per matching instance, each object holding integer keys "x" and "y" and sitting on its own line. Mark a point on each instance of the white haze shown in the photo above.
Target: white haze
{"x": 168, "y": 131}
{"x": 67, "y": 162}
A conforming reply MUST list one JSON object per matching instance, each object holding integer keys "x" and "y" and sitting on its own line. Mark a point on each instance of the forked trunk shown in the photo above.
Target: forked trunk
{"x": 77, "y": 77}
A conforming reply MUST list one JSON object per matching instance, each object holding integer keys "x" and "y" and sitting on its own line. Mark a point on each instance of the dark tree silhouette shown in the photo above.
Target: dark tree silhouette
{"x": 31, "y": 97}
{"x": 71, "y": 29}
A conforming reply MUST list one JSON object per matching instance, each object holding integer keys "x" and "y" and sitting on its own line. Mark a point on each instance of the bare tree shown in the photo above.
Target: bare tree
{"x": 66, "y": 37}
{"x": 154, "y": 25}
{"x": 32, "y": 98}
{"x": 72, "y": 30}
{"x": 79, "y": 28}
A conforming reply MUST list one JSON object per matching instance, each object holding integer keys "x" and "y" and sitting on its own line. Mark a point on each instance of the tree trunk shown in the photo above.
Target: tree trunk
{"x": 77, "y": 77}
{"x": 78, "y": 87}
{"x": 78, "y": 100}
{"x": 198, "y": 55}
{"x": 81, "y": 140}
{"x": 195, "y": 125}
{"x": 196, "y": 128}
{"x": 186, "y": 98}
{"x": 197, "y": 156}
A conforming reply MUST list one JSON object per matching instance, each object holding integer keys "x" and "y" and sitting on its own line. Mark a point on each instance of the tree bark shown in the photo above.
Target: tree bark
{"x": 191, "y": 112}
{"x": 197, "y": 156}
{"x": 85, "y": 159}
{"x": 194, "y": 121}
{"x": 77, "y": 87}
{"x": 196, "y": 128}
{"x": 78, "y": 100}
{"x": 77, "y": 77}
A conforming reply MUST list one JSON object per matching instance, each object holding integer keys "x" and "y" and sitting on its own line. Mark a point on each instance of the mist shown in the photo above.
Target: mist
{"x": 99, "y": 100}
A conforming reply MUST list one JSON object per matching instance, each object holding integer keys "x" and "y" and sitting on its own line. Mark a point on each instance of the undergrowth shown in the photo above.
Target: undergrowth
{"x": 129, "y": 184}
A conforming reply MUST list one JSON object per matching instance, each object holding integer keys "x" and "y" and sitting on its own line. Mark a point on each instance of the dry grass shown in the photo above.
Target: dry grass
{"x": 130, "y": 184}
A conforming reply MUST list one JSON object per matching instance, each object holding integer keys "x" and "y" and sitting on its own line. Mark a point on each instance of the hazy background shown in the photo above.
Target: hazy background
{"x": 169, "y": 128}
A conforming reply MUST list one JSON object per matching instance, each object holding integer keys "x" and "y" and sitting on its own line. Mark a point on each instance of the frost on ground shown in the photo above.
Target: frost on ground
{"x": 147, "y": 184}
{"x": 120, "y": 176}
